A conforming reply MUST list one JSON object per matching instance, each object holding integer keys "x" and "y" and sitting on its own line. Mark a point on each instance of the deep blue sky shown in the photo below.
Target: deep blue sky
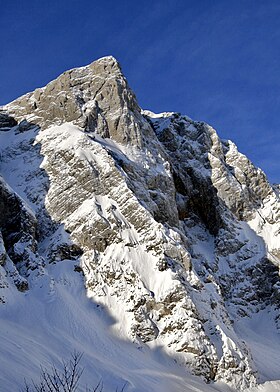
{"x": 216, "y": 61}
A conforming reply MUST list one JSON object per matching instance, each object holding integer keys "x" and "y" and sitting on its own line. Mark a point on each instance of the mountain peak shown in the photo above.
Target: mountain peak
{"x": 104, "y": 65}
{"x": 95, "y": 97}
{"x": 108, "y": 60}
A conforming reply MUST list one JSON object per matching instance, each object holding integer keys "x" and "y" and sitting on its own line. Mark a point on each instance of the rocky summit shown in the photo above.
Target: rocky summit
{"x": 142, "y": 240}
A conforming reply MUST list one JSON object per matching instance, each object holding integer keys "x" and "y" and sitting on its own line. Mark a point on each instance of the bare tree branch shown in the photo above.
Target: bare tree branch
{"x": 54, "y": 380}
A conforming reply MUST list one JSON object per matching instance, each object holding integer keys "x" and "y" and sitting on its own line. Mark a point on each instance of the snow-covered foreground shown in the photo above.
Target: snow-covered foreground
{"x": 262, "y": 337}
{"x": 55, "y": 318}
{"x": 270, "y": 386}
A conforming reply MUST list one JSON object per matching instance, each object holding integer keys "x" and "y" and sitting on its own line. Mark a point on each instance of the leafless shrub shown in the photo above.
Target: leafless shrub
{"x": 55, "y": 380}
{"x": 64, "y": 380}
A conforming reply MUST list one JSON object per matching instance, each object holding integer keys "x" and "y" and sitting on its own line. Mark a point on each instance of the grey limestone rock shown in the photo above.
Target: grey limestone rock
{"x": 95, "y": 97}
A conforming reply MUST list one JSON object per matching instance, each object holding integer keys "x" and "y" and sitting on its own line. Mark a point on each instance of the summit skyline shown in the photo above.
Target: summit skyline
{"x": 213, "y": 61}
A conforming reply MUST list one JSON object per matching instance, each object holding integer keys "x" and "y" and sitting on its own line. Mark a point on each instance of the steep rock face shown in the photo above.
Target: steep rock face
{"x": 95, "y": 97}
{"x": 6, "y": 121}
{"x": 18, "y": 231}
{"x": 231, "y": 198}
{"x": 170, "y": 223}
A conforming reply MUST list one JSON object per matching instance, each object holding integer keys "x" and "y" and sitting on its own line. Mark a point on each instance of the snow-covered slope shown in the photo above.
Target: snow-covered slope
{"x": 142, "y": 240}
